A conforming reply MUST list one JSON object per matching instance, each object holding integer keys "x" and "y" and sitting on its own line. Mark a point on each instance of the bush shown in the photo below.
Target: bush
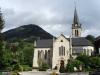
{"x": 26, "y": 68}
{"x": 74, "y": 63}
{"x": 44, "y": 67}
{"x": 62, "y": 69}
{"x": 70, "y": 67}
{"x": 17, "y": 68}
{"x": 0, "y": 73}
{"x": 14, "y": 73}
{"x": 84, "y": 59}
{"x": 90, "y": 63}
{"x": 95, "y": 62}
{"x": 9, "y": 68}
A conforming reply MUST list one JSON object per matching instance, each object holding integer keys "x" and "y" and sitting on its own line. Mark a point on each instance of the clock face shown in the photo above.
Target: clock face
{"x": 75, "y": 24}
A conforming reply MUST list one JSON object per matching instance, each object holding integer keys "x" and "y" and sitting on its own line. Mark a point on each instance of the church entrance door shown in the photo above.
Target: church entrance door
{"x": 62, "y": 68}
{"x": 61, "y": 63}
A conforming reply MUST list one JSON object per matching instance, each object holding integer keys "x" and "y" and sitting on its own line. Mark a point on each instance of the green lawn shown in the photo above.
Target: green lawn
{"x": 0, "y": 73}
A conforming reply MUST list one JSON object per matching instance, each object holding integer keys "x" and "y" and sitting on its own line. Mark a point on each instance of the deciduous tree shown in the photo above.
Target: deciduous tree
{"x": 1, "y": 40}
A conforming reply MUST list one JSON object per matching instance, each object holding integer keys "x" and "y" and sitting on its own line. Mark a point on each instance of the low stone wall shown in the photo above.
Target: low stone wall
{"x": 46, "y": 73}
{"x": 76, "y": 73}
{"x": 33, "y": 73}
{"x": 5, "y": 73}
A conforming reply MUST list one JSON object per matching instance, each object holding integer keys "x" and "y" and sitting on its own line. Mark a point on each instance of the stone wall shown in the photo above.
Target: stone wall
{"x": 47, "y": 73}
{"x": 76, "y": 73}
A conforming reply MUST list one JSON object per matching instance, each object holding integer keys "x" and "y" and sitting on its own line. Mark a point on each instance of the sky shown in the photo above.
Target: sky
{"x": 54, "y": 16}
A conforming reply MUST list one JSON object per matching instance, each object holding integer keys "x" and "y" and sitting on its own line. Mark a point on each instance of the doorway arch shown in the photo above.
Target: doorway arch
{"x": 62, "y": 63}
{"x": 62, "y": 68}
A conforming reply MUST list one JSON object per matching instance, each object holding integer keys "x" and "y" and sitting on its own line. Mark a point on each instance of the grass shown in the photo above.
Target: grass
{"x": 0, "y": 73}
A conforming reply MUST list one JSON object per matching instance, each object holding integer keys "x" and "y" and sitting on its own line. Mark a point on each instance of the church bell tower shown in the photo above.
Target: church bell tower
{"x": 76, "y": 26}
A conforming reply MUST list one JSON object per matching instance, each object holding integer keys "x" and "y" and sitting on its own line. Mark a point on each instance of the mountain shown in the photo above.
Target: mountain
{"x": 27, "y": 32}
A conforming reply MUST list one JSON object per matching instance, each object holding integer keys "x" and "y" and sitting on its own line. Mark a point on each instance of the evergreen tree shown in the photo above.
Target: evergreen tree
{"x": 91, "y": 38}
{"x": 1, "y": 40}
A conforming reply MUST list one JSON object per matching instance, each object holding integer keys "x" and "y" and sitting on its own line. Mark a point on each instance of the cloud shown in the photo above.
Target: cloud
{"x": 55, "y": 16}
{"x": 57, "y": 29}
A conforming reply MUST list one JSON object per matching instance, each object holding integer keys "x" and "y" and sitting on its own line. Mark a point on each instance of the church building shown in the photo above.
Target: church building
{"x": 59, "y": 50}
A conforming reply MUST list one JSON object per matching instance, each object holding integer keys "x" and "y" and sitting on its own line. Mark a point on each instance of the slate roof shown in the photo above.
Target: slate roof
{"x": 81, "y": 41}
{"x": 44, "y": 43}
{"x": 76, "y": 19}
{"x": 48, "y": 43}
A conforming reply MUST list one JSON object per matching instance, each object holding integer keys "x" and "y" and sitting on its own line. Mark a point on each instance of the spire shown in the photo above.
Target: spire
{"x": 76, "y": 26}
{"x": 76, "y": 19}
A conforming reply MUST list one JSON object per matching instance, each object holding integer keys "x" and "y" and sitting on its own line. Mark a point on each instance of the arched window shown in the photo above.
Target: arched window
{"x": 61, "y": 51}
{"x": 39, "y": 54}
{"x": 46, "y": 53}
{"x": 87, "y": 51}
{"x": 64, "y": 51}
{"x": 42, "y": 55}
{"x": 61, "y": 40}
{"x": 49, "y": 56}
{"x": 91, "y": 52}
{"x": 77, "y": 32}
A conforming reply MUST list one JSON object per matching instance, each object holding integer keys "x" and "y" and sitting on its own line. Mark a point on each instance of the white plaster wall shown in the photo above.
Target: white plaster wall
{"x": 56, "y": 58}
{"x": 99, "y": 50}
{"x": 35, "y": 58}
{"x": 85, "y": 49}
{"x": 90, "y": 48}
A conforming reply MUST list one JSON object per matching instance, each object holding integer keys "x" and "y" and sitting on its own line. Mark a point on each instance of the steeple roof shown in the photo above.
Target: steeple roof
{"x": 76, "y": 19}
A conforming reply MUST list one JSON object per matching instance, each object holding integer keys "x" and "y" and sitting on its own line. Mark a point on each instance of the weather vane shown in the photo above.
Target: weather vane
{"x": 75, "y": 3}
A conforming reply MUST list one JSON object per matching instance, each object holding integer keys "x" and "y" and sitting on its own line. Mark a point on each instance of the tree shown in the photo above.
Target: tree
{"x": 44, "y": 67}
{"x": 1, "y": 40}
{"x": 91, "y": 38}
{"x": 7, "y": 58}
{"x": 95, "y": 62}
{"x": 86, "y": 60}
{"x": 27, "y": 53}
{"x": 74, "y": 63}
{"x": 77, "y": 64}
